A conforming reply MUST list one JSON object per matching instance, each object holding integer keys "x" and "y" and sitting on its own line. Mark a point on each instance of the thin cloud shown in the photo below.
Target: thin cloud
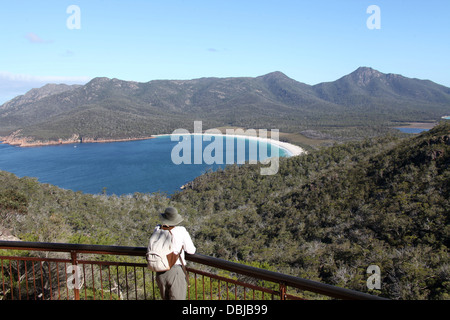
{"x": 27, "y": 78}
{"x": 67, "y": 53}
{"x": 34, "y": 38}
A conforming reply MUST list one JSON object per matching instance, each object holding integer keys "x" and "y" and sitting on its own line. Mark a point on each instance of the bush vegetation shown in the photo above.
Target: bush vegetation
{"x": 325, "y": 216}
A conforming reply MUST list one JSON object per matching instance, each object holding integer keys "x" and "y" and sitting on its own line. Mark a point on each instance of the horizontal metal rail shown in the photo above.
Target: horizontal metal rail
{"x": 208, "y": 290}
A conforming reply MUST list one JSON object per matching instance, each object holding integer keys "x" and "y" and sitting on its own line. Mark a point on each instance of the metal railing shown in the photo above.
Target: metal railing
{"x": 60, "y": 271}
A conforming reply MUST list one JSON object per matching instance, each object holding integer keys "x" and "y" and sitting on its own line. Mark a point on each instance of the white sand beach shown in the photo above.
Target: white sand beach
{"x": 290, "y": 149}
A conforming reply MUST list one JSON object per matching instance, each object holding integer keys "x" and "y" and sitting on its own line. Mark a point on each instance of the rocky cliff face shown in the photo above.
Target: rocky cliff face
{"x": 16, "y": 139}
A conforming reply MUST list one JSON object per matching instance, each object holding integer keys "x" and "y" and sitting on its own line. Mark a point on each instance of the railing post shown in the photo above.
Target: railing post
{"x": 282, "y": 291}
{"x": 76, "y": 290}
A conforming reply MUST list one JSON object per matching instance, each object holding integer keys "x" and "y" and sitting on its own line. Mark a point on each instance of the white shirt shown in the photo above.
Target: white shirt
{"x": 181, "y": 240}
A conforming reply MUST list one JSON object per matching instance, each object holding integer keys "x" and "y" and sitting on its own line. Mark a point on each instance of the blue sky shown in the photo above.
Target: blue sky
{"x": 310, "y": 41}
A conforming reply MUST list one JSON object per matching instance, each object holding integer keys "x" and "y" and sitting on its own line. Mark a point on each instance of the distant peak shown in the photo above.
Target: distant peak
{"x": 364, "y": 75}
{"x": 97, "y": 83}
{"x": 277, "y": 74}
{"x": 99, "y": 80}
{"x": 367, "y": 71}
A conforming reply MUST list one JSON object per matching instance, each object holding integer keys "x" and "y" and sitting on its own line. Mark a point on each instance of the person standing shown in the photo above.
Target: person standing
{"x": 172, "y": 284}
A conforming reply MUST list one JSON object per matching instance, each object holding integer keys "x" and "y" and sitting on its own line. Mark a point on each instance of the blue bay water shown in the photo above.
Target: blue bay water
{"x": 142, "y": 166}
{"x": 412, "y": 130}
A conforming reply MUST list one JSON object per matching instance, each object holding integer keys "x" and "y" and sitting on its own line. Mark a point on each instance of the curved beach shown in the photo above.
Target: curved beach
{"x": 290, "y": 149}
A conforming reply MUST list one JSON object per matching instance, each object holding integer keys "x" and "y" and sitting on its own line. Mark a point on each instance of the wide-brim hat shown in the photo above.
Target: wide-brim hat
{"x": 171, "y": 217}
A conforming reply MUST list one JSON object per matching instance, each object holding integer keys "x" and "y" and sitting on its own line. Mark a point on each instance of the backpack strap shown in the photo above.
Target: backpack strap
{"x": 184, "y": 269}
{"x": 169, "y": 228}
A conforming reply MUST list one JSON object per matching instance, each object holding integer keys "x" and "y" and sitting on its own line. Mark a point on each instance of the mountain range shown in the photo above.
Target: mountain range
{"x": 363, "y": 103}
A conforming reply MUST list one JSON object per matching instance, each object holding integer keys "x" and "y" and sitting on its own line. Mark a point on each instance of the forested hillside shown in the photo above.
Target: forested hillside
{"x": 325, "y": 216}
{"x": 365, "y": 103}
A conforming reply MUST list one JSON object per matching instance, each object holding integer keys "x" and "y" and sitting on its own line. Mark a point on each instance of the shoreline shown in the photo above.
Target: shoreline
{"x": 25, "y": 142}
{"x": 289, "y": 148}
{"x": 418, "y": 125}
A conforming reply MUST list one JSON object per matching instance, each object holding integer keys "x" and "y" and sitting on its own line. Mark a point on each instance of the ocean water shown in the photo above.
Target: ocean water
{"x": 412, "y": 130}
{"x": 144, "y": 166}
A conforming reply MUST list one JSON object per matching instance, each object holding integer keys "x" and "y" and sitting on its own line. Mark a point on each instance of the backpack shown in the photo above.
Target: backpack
{"x": 160, "y": 255}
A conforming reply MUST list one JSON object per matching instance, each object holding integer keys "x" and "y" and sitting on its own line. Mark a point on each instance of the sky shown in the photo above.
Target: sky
{"x": 311, "y": 41}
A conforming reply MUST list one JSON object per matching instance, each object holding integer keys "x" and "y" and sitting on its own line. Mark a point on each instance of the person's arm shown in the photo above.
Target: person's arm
{"x": 188, "y": 245}
{"x": 182, "y": 241}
